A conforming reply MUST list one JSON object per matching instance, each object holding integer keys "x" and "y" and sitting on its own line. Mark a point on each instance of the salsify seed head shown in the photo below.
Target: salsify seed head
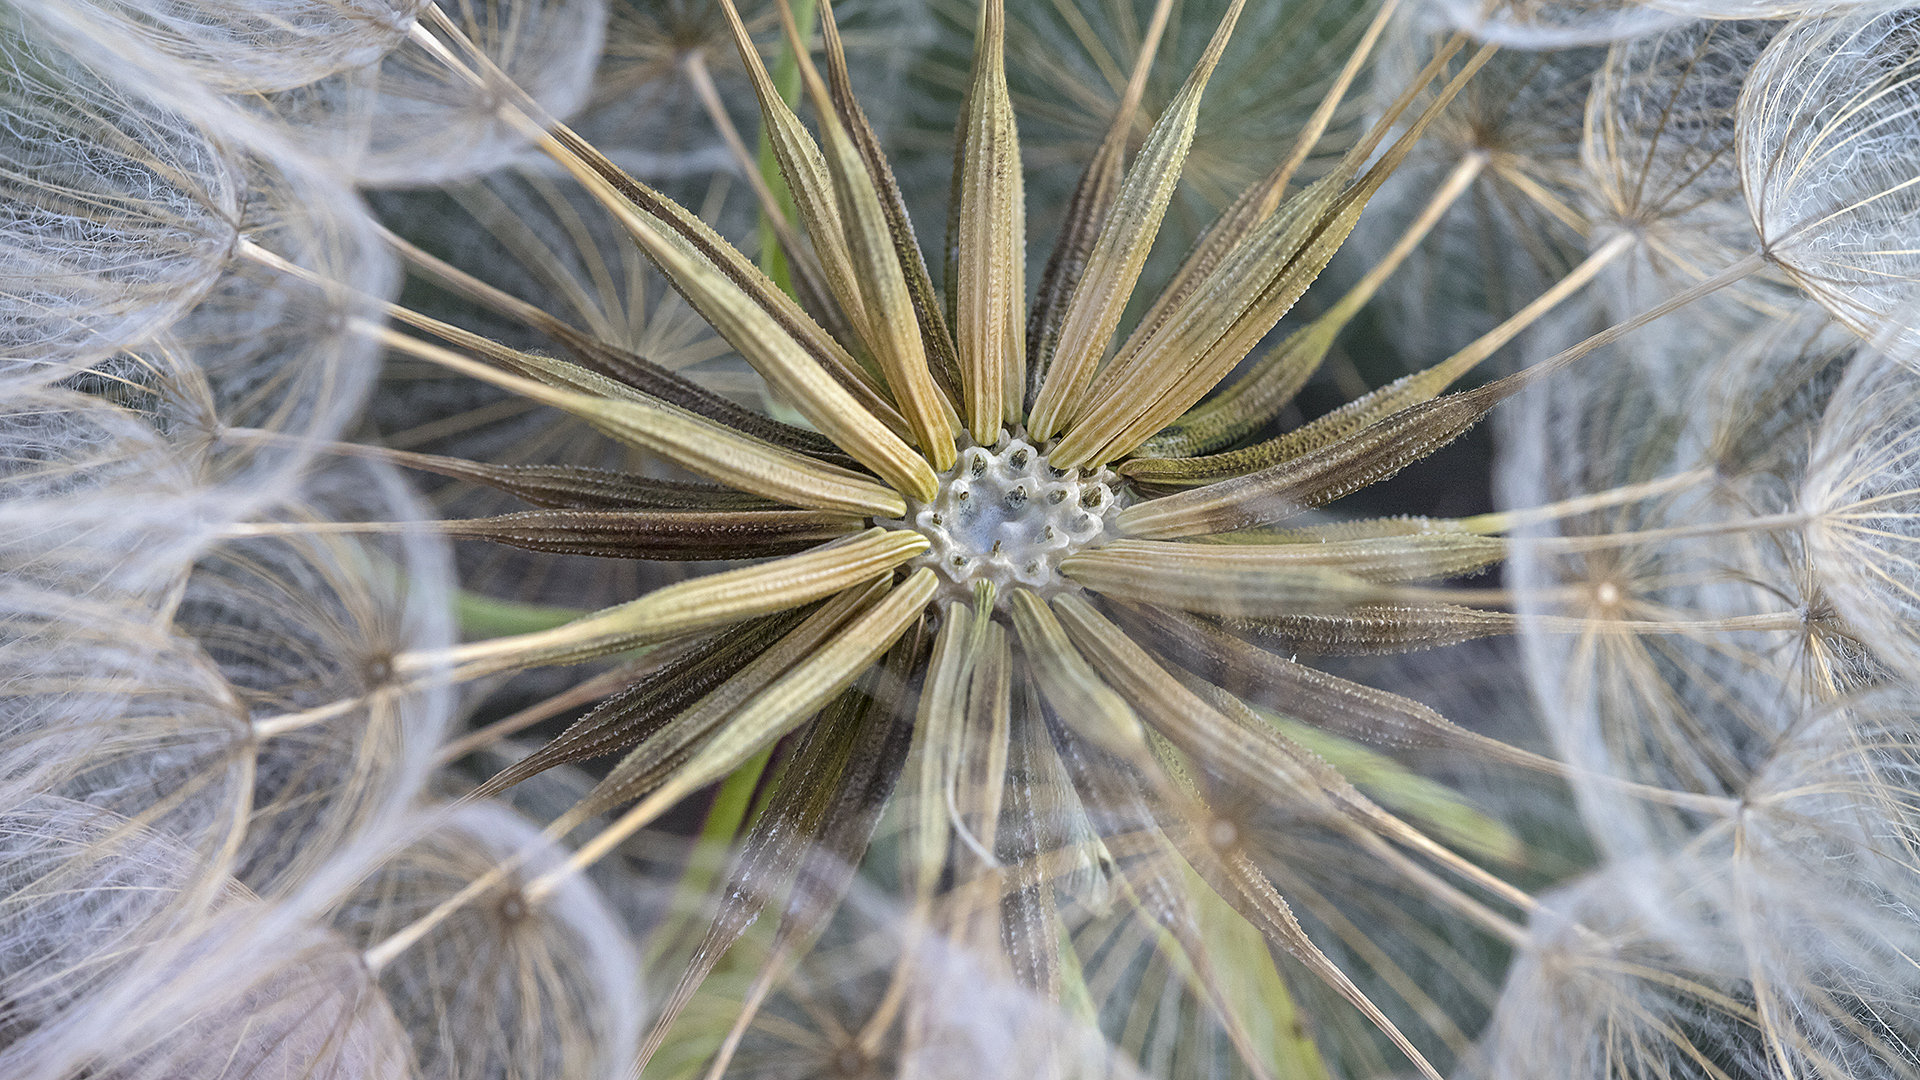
{"x": 1006, "y": 593}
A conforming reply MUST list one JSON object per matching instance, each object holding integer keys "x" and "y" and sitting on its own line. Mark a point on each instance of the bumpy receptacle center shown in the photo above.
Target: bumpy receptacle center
{"x": 1004, "y": 515}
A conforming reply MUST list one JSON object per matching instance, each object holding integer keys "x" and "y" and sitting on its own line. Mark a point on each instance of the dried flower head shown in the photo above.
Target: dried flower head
{"x": 1015, "y": 577}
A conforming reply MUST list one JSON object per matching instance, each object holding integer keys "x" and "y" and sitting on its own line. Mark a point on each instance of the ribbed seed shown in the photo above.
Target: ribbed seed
{"x": 1413, "y": 557}
{"x": 784, "y": 705}
{"x": 935, "y": 336}
{"x": 805, "y": 170}
{"x": 635, "y": 713}
{"x": 707, "y": 448}
{"x": 1160, "y": 375}
{"x": 685, "y": 607}
{"x": 893, "y": 326}
{"x": 1361, "y": 458}
{"x": 1172, "y": 579}
{"x": 658, "y": 534}
{"x": 1087, "y": 705}
{"x": 991, "y": 241}
{"x": 1120, "y": 252}
{"x": 654, "y": 760}
{"x": 702, "y": 240}
{"x": 773, "y": 352}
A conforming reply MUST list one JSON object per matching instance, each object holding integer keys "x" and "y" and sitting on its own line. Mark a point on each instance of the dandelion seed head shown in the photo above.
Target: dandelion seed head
{"x": 240, "y": 46}
{"x": 157, "y": 715}
{"x": 1757, "y": 965}
{"x": 407, "y": 121}
{"x": 72, "y": 457}
{"x": 1556, "y": 24}
{"x": 1519, "y": 111}
{"x": 130, "y": 954}
{"x": 1685, "y": 710}
{"x": 1659, "y": 162}
{"x": 301, "y": 1006}
{"x": 548, "y": 986}
{"x": 234, "y": 344}
{"x": 119, "y": 211}
{"x": 1861, "y": 494}
{"x": 1827, "y": 160}
{"x": 1594, "y": 996}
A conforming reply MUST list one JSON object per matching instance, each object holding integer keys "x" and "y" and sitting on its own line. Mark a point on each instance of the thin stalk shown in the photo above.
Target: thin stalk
{"x": 1509, "y": 520}
{"x": 581, "y": 694}
{"x": 1604, "y": 541}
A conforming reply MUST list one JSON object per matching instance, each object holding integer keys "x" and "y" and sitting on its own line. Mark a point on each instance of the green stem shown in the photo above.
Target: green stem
{"x": 728, "y": 816}
{"x": 485, "y": 617}
{"x": 726, "y": 819}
